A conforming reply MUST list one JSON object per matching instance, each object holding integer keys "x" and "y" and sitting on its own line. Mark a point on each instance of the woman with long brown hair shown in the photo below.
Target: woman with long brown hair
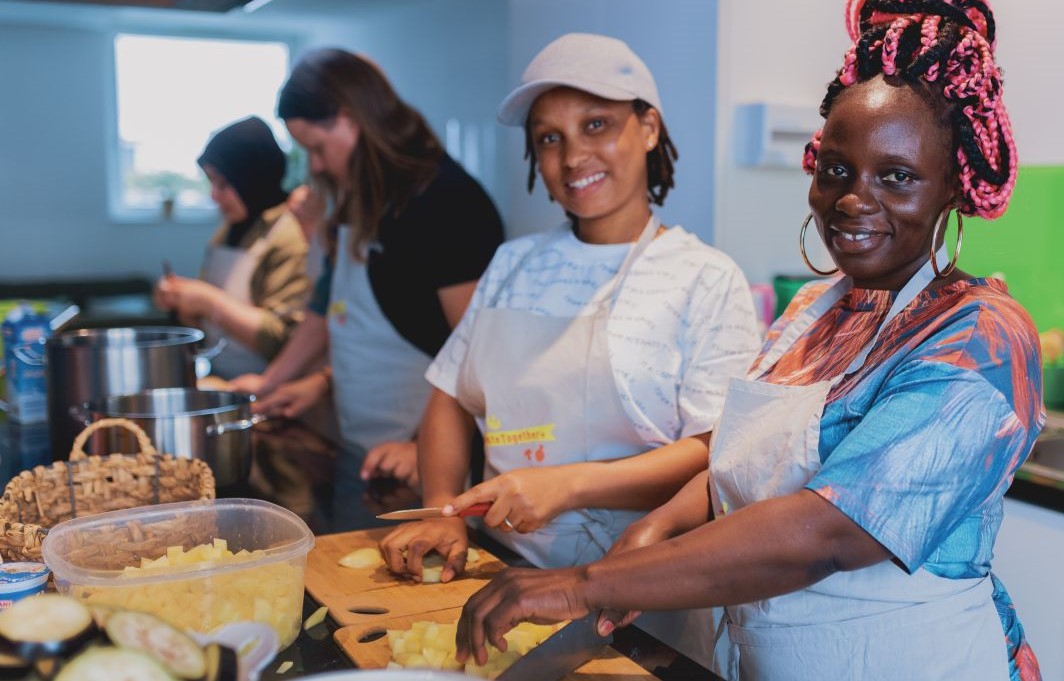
{"x": 409, "y": 234}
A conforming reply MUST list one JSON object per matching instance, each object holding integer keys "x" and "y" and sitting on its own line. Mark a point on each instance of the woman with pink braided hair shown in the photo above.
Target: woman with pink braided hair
{"x": 856, "y": 475}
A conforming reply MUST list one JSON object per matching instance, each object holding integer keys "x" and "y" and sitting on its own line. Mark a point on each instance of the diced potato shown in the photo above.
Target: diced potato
{"x": 431, "y": 644}
{"x": 316, "y": 618}
{"x": 520, "y": 641}
{"x": 362, "y": 558}
{"x": 431, "y": 568}
{"x": 431, "y": 575}
{"x": 270, "y": 593}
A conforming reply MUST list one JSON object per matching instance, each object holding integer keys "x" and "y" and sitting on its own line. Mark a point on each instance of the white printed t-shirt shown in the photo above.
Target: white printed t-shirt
{"x": 683, "y": 324}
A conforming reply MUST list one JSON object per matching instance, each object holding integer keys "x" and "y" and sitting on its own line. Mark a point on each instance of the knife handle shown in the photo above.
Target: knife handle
{"x": 475, "y": 509}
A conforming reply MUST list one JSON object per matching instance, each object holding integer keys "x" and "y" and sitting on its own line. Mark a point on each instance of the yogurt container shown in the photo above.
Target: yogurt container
{"x": 18, "y": 580}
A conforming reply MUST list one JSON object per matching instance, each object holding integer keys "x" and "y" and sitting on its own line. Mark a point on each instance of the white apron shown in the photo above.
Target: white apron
{"x": 543, "y": 390}
{"x": 379, "y": 384}
{"x": 875, "y": 623}
{"x": 231, "y": 269}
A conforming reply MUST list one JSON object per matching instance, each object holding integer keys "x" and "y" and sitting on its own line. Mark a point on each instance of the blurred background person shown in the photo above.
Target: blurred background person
{"x": 409, "y": 233}
{"x": 253, "y": 283}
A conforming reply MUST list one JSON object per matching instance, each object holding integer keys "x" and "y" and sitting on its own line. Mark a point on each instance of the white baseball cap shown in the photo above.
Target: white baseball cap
{"x": 597, "y": 64}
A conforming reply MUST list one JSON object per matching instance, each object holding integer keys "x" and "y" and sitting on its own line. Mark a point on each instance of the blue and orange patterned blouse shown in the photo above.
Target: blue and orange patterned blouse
{"x": 920, "y": 444}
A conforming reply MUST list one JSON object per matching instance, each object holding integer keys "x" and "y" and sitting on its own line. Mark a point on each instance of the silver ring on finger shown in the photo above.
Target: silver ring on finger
{"x": 507, "y": 523}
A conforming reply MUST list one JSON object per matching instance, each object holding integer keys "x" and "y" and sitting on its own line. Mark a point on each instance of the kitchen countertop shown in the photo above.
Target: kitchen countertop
{"x": 302, "y": 471}
{"x": 279, "y": 446}
{"x": 293, "y": 468}
{"x": 297, "y": 469}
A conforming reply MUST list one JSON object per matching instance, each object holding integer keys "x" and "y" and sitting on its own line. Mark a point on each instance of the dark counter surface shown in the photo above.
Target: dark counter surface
{"x": 304, "y": 472}
{"x": 300, "y": 470}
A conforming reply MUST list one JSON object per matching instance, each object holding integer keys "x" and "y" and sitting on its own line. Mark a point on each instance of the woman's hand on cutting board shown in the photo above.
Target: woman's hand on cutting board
{"x": 518, "y": 595}
{"x": 406, "y": 546}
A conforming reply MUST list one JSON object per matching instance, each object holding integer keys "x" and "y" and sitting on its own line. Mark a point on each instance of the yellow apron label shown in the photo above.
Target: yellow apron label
{"x": 338, "y": 311}
{"x": 521, "y": 436}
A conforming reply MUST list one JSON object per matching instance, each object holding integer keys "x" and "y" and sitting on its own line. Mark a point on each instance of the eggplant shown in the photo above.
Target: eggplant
{"x": 46, "y": 626}
{"x": 182, "y": 657}
{"x": 113, "y": 664}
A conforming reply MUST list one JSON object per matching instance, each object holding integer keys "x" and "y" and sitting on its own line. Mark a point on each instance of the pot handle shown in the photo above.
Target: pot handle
{"x": 202, "y": 360}
{"x": 215, "y": 429}
{"x": 214, "y": 350}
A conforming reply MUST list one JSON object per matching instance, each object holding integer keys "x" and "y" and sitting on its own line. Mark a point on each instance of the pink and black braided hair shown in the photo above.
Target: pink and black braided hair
{"x": 949, "y": 46}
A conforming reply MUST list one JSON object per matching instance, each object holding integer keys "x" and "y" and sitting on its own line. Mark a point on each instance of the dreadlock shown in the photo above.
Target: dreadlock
{"x": 659, "y": 159}
{"x": 948, "y": 46}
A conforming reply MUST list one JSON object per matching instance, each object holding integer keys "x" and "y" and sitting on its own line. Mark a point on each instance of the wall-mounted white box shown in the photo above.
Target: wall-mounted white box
{"x": 770, "y": 135}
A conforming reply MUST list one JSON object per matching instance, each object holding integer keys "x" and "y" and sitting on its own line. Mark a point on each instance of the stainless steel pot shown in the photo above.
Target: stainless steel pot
{"x": 201, "y": 424}
{"x": 88, "y": 364}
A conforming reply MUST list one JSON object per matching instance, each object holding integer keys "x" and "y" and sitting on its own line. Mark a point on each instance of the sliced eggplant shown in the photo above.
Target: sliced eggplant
{"x": 222, "y": 663}
{"x": 10, "y": 661}
{"x": 113, "y": 664}
{"x": 45, "y": 626}
{"x": 174, "y": 649}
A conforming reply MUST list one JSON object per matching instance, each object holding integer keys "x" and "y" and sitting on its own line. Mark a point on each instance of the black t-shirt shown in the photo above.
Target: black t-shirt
{"x": 446, "y": 235}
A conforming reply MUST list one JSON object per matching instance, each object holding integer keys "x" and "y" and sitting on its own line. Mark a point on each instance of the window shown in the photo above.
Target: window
{"x": 171, "y": 94}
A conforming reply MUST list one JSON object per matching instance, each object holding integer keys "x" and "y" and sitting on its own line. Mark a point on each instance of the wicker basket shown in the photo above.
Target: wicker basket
{"x": 85, "y": 485}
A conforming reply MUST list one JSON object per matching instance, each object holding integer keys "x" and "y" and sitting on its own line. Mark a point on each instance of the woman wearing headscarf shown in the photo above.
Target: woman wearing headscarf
{"x": 253, "y": 283}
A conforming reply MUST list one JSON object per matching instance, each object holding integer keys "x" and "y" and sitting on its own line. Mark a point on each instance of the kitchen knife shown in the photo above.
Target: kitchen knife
{"x": 562, "y": 652}
{"x": 433, "y": 512}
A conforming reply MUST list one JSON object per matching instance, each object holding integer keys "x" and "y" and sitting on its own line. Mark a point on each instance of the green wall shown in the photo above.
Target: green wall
{"x": 1025, "y": 244}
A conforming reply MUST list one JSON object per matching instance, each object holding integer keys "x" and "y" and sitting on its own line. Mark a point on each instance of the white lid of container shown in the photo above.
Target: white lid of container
{"x": 22, "y": 575}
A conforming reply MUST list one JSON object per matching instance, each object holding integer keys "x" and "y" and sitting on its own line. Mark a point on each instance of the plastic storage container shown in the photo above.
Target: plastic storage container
{"x": 170, "y": 560}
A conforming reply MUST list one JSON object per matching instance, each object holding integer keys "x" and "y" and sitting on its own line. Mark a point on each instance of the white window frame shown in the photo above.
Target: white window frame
{"x": 118, "y": 211}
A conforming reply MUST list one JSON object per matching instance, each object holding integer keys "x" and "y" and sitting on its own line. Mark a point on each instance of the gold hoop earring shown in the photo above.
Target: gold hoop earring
{"x": 943, "y": 219}
{"x": 801, "y": 247}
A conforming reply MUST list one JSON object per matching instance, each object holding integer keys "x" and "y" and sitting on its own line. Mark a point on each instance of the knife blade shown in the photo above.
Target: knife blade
{"x": 562, "y": 652}
{"x": 433, "y": 512}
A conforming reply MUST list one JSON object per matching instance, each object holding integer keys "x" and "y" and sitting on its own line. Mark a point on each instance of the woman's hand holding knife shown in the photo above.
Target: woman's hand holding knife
{"x": 522, "y": 500}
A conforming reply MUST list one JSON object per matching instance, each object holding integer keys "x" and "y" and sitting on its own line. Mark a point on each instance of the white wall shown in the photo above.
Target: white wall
{"x": 52, "y": 165}
{"x": 56, "y": 112}
{"x": 55, "y": 115}
{"x": 677, "y": 40}
{"x": 764, "y": 57}
{"x": 448, "y": 60}
{"x": 452, "y": 60}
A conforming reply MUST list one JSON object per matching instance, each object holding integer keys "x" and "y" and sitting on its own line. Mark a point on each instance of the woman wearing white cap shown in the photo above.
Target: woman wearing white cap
{"x": 593, "y": 357}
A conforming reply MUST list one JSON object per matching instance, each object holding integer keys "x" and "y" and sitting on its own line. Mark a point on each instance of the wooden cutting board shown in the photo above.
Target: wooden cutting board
{"x": 375, "y": 654}
{"x": 367, "y": 595}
